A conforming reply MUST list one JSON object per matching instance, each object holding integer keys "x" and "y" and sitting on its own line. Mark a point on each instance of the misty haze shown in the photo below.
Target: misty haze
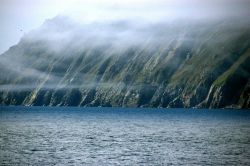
{"x": 154, "y": 55}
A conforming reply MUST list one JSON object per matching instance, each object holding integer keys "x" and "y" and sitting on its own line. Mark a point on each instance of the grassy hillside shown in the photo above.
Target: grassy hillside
{"x": 188, "y": 65}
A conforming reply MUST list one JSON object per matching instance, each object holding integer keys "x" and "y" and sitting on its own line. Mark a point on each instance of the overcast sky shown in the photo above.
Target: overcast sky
{"x": 18, "y": 17}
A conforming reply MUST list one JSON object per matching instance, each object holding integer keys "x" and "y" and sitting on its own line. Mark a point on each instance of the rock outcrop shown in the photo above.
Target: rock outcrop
{"x": 202, "y": 65}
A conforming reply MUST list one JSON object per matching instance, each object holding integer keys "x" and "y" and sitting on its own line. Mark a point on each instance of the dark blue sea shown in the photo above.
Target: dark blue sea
{"x": 123, "y": 136}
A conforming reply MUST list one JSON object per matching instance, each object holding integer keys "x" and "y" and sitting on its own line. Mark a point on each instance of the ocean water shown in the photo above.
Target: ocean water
{"x": 123, "y": 136}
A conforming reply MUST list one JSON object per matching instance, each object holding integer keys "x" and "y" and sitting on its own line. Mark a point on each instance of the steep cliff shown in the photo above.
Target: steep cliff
{"x": 175, "y": 64}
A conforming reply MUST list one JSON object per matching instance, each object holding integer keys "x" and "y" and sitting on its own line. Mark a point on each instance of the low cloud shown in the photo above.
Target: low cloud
{"x": 115, "y": 31}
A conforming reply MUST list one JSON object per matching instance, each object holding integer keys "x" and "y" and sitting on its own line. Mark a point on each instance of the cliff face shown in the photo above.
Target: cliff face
{"x": 205, "y": 65}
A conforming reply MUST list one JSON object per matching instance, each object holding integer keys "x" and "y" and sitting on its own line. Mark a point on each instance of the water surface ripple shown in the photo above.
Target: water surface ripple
{"x": 119, "y": 136}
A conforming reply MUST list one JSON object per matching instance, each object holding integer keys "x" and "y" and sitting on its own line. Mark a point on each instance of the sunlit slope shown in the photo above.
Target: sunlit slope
{"x": 177, "y": 64}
